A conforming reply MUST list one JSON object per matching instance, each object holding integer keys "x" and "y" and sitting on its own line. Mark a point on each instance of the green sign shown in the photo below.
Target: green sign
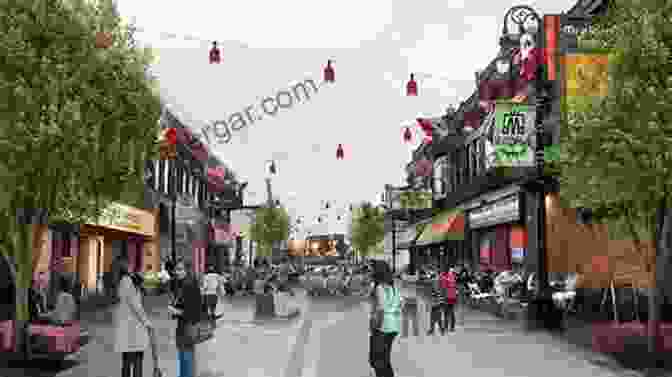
{"x": 514, "y": 135}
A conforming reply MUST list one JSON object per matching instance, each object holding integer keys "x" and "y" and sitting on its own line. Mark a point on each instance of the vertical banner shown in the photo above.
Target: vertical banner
{"x": 586, "y": 77}
{"x": 514, "y": 135}
{"x": 551, "y": 34}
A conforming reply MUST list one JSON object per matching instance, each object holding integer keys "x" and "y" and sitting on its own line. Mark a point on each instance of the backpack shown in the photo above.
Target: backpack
{"x": 391, "y": 310}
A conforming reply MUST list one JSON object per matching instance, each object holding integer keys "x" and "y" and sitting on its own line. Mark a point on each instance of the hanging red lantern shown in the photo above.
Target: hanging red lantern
{"x": 215, "y": 54}
{"x": 103, "y": 39}
{"x": 423, "y": 168}
{"x": 412, "y": 87}
{"x": 329, "y": 75}
{"x": 407, "y": 135}
{"x": 339, "y": 152}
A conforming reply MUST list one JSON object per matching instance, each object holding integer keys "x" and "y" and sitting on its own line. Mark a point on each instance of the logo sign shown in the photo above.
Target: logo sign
{"x": 514, "y": 135}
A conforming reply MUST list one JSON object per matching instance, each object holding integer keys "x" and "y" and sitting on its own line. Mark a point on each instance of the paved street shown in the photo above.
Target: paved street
{"x": 330, "y": 338}
{"x": 482, "y": 346}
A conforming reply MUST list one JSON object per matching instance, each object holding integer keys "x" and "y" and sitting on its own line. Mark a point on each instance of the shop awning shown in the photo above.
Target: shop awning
{"x": 445, "y": 226}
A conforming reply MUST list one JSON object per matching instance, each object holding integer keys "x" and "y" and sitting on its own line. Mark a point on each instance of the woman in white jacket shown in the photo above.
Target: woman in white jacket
{"x": 132, "y": 327}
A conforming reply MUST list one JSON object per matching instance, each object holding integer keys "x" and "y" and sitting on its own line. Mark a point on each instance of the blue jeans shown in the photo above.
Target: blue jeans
{"x": 185, "y": 363}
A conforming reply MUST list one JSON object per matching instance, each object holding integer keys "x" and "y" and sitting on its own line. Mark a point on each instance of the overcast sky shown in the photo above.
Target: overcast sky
{"x": 269, "y": 45}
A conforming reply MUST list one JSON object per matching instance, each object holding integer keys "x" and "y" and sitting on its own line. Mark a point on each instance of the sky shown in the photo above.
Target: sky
{"x": 268, "y": 46}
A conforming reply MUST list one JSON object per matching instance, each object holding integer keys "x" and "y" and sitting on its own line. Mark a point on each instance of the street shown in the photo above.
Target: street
{"x": 330, "y": 339}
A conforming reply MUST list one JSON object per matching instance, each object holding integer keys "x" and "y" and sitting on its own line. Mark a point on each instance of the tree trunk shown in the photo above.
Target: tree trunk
{"x": 23, "y": 279}
{"x": 661, "y": 257}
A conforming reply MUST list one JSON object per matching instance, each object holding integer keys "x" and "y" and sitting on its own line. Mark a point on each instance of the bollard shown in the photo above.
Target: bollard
{"x": 265, "y": 305}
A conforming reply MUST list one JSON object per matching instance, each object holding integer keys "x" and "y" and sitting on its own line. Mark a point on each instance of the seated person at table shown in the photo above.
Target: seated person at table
{"x": 66, "y": 309}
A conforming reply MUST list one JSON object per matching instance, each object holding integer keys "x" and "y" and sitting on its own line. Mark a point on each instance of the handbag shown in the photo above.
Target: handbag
{"x": 198, "y": 332}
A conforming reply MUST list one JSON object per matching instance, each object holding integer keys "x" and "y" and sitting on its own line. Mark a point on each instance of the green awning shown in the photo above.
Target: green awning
{"x": 446, "y": 226}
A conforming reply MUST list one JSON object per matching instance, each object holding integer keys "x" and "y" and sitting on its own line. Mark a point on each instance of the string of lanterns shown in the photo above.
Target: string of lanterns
{"x": 105, "y": 40}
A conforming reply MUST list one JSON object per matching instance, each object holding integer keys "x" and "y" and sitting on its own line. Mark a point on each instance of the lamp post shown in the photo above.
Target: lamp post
{"x": 521, "y": 16}
{"x": 173, "y": 211}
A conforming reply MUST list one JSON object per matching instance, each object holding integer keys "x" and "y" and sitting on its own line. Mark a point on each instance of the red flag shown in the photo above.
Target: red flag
{"x": 215, "y": 54}
{"x": 171, "y": 136}
{"x": 412, "y": 87}
{"x": 329, "y": 75}
{"x": 407, "y": 135}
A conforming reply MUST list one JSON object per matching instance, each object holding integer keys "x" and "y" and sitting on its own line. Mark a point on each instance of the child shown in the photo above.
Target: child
{"x": 437, "y": 300}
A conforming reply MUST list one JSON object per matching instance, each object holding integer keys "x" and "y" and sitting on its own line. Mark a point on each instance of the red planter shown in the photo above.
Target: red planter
{"x": 7, "y": 333}
{"x": 611, "y": 337}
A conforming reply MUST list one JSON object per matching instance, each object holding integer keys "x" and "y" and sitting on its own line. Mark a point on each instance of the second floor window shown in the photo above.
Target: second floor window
{"x": 440, "y": 168}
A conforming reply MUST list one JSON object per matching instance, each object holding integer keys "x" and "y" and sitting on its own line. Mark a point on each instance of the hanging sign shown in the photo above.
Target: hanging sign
{"x": 514, "y": 135}
{"x": 500, "y": 212}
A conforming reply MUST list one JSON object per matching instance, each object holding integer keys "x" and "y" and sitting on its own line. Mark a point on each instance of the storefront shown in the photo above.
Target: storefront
{"x": 191, "y": 236}
{"x": 497, "y": 232}
{"x": 221, "y": 244}
{"x": 442, "y": 241}
{"x": 122, "y": 231}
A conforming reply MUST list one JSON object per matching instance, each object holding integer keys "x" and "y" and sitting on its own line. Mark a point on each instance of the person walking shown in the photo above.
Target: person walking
{"x": 436, "y": 305}
{"x": 132, "y": 326}
{"x": 410, "y": 314}
{"x": 210, "y": 287}
{"x": 385, "y": 320}
{"x": 186, "y": 309}
{"x": 448, "y": 281}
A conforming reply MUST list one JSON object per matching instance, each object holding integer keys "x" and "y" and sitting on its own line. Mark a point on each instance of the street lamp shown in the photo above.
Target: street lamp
{"x": 528, "y": 38}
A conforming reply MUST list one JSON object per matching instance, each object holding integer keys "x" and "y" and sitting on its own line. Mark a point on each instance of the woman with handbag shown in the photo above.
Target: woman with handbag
{"x": 132, "y": 327}
{"x": 186, "y": 309}
{"x": 385, "y": 321}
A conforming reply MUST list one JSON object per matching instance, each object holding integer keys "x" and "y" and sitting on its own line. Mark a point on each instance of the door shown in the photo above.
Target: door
{"x": 99, "y": 266}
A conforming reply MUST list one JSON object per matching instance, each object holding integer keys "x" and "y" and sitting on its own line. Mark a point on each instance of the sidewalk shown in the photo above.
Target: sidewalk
{"x": 237, "y": 333}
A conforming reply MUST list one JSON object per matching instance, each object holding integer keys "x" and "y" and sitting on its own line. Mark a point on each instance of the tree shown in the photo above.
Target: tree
{"x": 412, "y": 199}
{"x": 367, "y": 228}
{"x": 616, "y": 155}
{"x": 79, "y": 121}
{"x": 269, "y": 226}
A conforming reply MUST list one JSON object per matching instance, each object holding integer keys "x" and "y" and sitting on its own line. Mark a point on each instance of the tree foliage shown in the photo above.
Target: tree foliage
{"x": 367, "y": 228}
{"x": 78, "y": 122}
{"x": 616, "y": 155}
{"x": 270, "y": 225}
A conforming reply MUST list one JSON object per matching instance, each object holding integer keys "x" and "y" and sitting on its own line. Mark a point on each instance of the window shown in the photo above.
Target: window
{"x": 156, "y": 175}
{"x": 161, "y": 178}
{"x": 180, "y": 180}
{"x": 475, "y": 169}
{"x": 197, "y": 193}
{"x": 170, "y": 181}
{"x": 440, "y": 169}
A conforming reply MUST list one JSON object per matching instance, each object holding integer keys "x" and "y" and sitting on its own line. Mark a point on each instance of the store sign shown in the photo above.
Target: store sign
{"x": 128, "y": 219}
{"x": 514, "y": 135}
{"x": 504, "y": 211}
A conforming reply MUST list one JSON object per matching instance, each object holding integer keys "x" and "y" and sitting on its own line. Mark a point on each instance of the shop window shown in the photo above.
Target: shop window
{"x": 161, "y": 187}
{"x": 170, "y": 167}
